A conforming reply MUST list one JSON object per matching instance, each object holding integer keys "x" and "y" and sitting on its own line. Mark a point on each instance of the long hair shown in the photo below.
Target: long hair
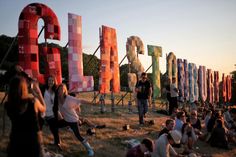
{"x": 183, "y": 127}
{"x": 18, "y": 92}
{"x": 54, "y": 87}
{"x": 219, "y": 123}
{"x": 55, "y": 106}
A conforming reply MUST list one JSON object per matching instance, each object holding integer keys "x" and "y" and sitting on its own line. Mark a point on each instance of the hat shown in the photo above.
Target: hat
{"x": 192, "y": 155}
{"x": 176, "y": 136}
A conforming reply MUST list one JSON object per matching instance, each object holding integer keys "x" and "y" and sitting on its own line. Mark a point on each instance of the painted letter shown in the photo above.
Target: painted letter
{"x": 133, "y": 43}
{"x": 181, "y": 78}
{"x": 109, "y": 69}
{"x": 77, "y": 81}
{"x": 210, "y": 87}
{"x": 172, "y": 67}
{"x": 216, "y": 86}
{"x": 28, "y": 41}
{"x": 155, "y": 52}
{"x": 202, "y": 83}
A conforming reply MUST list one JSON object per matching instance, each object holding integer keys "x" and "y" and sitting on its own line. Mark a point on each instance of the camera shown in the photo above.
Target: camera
{"x": 16, "y": 70}
{"x": 27, "y": 76}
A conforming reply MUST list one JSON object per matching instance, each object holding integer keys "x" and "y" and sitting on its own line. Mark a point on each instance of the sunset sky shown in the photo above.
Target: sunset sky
{"x": 201, "y": 31}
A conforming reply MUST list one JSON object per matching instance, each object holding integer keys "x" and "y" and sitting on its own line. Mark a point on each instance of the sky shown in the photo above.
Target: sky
{"x": 201, "y": 31}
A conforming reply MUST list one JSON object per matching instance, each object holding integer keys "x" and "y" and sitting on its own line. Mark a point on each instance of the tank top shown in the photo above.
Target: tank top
{"x": 25, "y": 136}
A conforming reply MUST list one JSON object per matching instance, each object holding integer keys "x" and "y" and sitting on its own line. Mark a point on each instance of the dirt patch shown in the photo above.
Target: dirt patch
{"x": 110, "y": 141}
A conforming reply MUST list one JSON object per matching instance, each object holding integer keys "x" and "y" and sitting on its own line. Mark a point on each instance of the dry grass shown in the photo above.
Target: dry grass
{"x": 108, "y": 142}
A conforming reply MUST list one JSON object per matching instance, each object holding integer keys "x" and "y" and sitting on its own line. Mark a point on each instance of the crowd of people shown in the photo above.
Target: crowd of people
{"x": 30, "y": 107}
{"x": 183, "y": 129}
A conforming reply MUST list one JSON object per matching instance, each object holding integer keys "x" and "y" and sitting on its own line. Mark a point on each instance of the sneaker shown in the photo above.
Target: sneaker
{"x": 91, "y": 131}
{"x": 90, "y": 152}
{"x": 141, "y": 124}
{"x": 101, "y": 126}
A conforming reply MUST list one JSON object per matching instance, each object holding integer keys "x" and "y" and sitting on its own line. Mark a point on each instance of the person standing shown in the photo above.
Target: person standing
{"x": 49, "y": 96}
{"x": 68, "y": 105}
{"x": 167, "y": 90}
{"x": 23, "y": 110}
{"x": 174, "y": 96}
{"x": 144, "y": 90}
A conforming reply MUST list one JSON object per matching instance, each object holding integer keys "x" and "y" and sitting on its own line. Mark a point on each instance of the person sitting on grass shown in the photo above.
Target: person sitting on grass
{"x": 180, "y": 120}
{"x": 211, "y": 123}
{"x": 188, "y": 137}
{"x": 228, "y": 120}
{"x": 195, "y": 122}
{"x": 170, "y": 124}
{"x": 218, "y": 136}
{"x": 174, "y": 113}
{"x": 163, "y": 144}
{"x": 142, "y": 150}
{"x": 207, "y": 117}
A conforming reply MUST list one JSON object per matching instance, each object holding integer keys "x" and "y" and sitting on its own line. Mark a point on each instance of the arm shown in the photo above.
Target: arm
{"x": 184, "y": 137}
{"x": 37, "y": 93}
{"x": 38, "y": 106}
{"x": 193, "y": 135}
{"x": 82, "y": 101}
{"x": 150, "y": 91}
{"x": 172, "y": 151}
{"x": 136, "y": 88}
{"x": 39, "y": 100}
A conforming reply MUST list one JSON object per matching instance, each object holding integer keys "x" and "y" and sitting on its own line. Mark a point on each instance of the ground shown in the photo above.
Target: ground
{"x": 110, "y": 141}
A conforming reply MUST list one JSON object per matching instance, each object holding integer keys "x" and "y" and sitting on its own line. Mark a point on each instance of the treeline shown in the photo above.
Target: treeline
{"x": 90, "y": 69}
{"x": 91, "y": 63}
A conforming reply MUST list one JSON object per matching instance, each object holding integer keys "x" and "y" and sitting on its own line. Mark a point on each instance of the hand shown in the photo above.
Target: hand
{"x": 179, "y": 155}
{"x": 35, "y": 87}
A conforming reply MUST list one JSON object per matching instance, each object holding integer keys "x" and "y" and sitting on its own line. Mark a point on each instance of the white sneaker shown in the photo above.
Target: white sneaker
{"x": 90, "y": 152}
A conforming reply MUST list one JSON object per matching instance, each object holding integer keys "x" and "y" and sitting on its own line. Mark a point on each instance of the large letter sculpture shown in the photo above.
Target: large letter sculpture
{"x": 181, "y": 78}
{"x": 155, "y": 52}
{"x": 216, "y": 86}
{"x": 202, "y": 83}
{"x": 224, "y": 88}
{"x": 77, "y": 81}
{"x": 186, "y": 82}
{"x": 210, "y": 86}
{"x": 133, "y": 43}
{"x": 229, "y": 90}
{"x": 191, "y": 82}
{"x": 172, "y": 67}
{"x": 195, "y": 76}
{"x": 109, "y": 69}
{"x": 28, "y": 41}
